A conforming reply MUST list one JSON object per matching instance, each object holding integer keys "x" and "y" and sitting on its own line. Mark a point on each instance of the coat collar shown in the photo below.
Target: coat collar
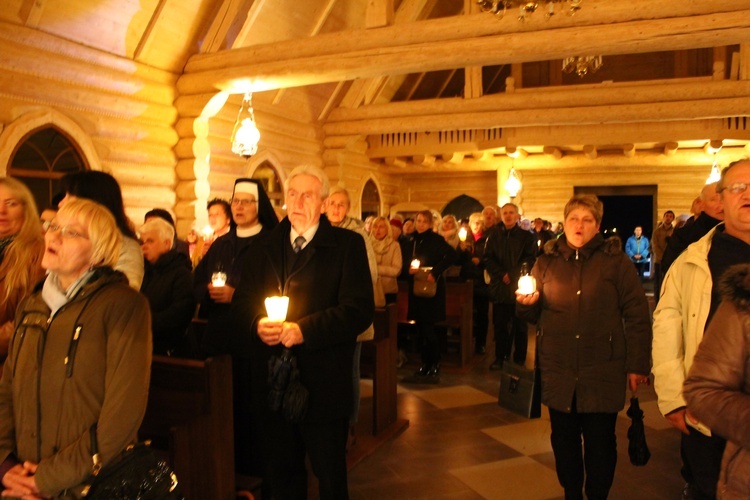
{"x": 560, "y": 247}
{"x": 735, "y": 286}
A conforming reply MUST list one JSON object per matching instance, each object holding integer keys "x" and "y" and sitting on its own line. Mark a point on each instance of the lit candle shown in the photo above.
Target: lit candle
{"x": 526, "y": 285}
{"x": 207, "y": 231}
{"x": 462, "y": 233}
{"x": 219, "y": 279}
{"x": 276, "y": 308}
{"x": 415, "y": 264}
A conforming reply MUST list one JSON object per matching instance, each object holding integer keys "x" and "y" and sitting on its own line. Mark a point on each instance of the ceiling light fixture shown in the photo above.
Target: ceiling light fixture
{"x": 245, "y": 136}
{"x": 513, "y": 184}
{"x": 715, "y": 174}
{"x": 526, "y": 7}
{"x": 582, "y": 65}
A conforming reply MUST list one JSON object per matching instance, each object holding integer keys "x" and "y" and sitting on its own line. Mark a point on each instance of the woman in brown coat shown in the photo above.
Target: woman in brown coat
{"x": 595, "y": 334}
{"x": 717, "y": 389}
{"x": 80, "y": 355}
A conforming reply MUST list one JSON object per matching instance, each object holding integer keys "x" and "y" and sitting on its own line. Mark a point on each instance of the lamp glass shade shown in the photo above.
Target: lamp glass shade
{"x": 245, "y": 136}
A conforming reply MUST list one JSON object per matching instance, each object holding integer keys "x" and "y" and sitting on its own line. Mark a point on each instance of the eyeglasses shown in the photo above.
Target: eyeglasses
{"x": 242, "y": 202}
{"x": 65, "y": 231}
{"x": 735, "y": 188}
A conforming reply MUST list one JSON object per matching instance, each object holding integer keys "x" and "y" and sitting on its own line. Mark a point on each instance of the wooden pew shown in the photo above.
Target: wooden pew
{"x": 383, "y": 350}
{"x": 190, "y": 410}
{"x": 459, "y": 303}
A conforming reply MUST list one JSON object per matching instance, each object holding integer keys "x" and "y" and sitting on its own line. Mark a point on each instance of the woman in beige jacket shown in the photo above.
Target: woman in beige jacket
{"x": 388, "y": 257}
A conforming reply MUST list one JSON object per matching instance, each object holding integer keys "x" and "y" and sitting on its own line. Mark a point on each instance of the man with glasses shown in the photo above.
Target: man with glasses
{"x": 688, "y": 301}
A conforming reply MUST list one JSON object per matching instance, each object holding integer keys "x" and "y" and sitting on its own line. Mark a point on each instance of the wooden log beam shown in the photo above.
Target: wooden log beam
{"x": 424, "y": 160}
{"x": 454, "y": 158}
{"x": 394, "y": 162}
{"x": 590, "y": 152}
{"x": 620, "y": 113}
{"x": 324, "y": 59}
{"x": 556, "y": 97}
{"x": 596, "y": 12}
{"x": 35, "y": 52}
{"x": 670, "y": 148}
{"x": 518, "y": 153}
{"x": 712, "y": 147}
{"x": 553, "y": 151}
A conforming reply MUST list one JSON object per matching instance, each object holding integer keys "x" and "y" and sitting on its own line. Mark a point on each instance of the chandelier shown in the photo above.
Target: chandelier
{"x": 582, "y": 65}
{"x": 715, "y": 175}
{"x": 526, "y": 8}
{"x": 245, "y": 136}
{"x": 513, "y": 184}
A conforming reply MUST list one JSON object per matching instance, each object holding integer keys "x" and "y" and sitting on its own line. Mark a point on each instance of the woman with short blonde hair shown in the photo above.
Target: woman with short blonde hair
{"x": 82, "y": 342}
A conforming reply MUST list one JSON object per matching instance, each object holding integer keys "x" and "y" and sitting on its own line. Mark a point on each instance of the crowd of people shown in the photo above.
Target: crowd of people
{"x": 88, "y": 299}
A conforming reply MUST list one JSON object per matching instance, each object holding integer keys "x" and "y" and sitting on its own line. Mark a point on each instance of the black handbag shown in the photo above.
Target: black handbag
{"x": 137, "y": 474}
{"x": 521, "y": 387}
{"x": 520, "y": 390}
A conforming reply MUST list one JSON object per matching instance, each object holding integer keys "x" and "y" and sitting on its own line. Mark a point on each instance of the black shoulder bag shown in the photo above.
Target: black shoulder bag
{"x": 137, "y": 473}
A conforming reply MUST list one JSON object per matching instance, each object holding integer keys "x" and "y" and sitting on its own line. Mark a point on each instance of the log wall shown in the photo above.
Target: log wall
{"x": 122, "y": 109}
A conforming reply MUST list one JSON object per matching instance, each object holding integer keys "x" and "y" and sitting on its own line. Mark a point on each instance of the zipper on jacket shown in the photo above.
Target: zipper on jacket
{"x": 70, "y": 358}
{"x": 576, "y": 254}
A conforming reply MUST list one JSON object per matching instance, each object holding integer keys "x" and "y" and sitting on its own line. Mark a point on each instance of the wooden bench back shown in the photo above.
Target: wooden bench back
{"x": 458, "y": 294}
{"x": 190, "y": 407}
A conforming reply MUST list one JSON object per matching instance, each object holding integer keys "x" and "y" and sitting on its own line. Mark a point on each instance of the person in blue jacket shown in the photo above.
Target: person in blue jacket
{"x": 637, "y": 249}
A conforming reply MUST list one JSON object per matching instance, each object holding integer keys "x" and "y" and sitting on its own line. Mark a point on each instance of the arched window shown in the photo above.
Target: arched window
{"x": 370, "y": 200}
{"x": 41, "y": 159}
{"x": 267, "y": 175}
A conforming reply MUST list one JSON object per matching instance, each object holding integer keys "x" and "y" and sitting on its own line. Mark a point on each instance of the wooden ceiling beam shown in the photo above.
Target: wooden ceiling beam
{"x": 222, "y": 23}
{"x": 558, "y": 97}
{"x": 31, "y": 12}
{"x": 578, "y": 115}
{"x": 408, "y": 12}
{"x": 352, "y": 55}
{"x": 147, "y": 38}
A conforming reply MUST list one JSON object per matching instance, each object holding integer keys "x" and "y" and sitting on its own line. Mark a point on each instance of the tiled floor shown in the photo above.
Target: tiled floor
{"x": 461, "y": 445}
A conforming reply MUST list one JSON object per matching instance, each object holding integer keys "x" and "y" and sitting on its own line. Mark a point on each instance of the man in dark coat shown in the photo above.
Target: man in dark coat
{"x": 542, "y": 235}
{"x": 712, "y": 212}
{"x": 324, "y": 272}
{"x": 508, "y": 247}
{"x": 166, "y": 284}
